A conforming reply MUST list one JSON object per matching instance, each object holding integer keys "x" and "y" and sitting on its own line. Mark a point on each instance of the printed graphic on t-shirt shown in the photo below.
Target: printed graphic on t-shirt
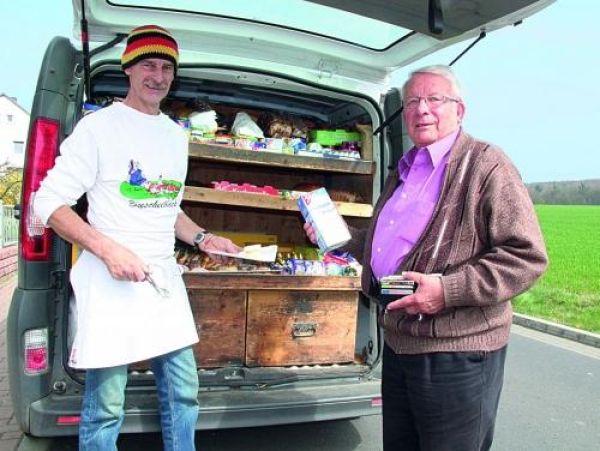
{"x": 138, "y": 187}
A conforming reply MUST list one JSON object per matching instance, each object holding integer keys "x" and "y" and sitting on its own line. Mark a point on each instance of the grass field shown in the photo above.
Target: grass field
{"x": 569, "y": 292}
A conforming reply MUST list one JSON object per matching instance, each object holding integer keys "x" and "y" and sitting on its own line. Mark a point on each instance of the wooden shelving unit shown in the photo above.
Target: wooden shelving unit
{"x": 266, "y": 319}
{"x": 220, "y": 153}
{"x": 211, "y": 196}
{"x": 240, "y": 281}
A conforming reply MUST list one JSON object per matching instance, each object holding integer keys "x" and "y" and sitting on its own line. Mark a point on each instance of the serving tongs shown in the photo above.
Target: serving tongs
{"x": 163, "y": 292}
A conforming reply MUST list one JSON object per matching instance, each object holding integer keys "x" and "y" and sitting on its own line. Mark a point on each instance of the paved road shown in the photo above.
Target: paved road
{"x": 550, "y": 402}
{"x": 551, "y": 398}
{"x": 9, "y": 431}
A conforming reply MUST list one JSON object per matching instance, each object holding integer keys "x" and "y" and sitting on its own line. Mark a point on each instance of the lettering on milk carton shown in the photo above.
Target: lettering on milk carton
{"x": 319, "y": 210}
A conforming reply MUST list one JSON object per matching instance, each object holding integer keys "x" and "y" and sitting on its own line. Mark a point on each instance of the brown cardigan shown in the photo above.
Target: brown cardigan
{"x": 485, "y": 240}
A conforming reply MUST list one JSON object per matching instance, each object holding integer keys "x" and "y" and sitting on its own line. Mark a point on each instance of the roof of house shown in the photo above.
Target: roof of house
{"x": 14, "y": 101}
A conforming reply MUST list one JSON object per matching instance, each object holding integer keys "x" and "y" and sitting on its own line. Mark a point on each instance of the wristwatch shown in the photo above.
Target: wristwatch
{"x": 200, "y": 237}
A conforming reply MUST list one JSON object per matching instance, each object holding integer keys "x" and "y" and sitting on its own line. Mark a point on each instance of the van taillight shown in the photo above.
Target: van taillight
{"x": 35, "y": 345}
{"x": 41, "y": 152}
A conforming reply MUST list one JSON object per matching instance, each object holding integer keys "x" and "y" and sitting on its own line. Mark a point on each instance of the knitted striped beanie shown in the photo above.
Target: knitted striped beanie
{"x": 149, "y": 41}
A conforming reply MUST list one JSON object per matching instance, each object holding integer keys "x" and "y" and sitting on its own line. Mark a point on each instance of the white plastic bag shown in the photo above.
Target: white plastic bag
{"x": 205, "y": 121}
{"x": 243, "y": 125}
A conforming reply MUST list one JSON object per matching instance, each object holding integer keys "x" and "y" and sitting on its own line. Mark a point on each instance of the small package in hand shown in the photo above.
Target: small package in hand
{"x": 394, "y": 287}
{"x": 319, "y": 210}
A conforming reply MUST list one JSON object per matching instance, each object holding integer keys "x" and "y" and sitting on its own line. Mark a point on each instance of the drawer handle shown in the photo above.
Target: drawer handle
{"x": 304, "y": 330}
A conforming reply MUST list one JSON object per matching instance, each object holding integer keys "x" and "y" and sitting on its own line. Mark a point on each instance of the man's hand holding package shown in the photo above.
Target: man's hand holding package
{"x": 310, "y": 232}
{"x": 220, "y": 244}
{"x": 427, "y": 300}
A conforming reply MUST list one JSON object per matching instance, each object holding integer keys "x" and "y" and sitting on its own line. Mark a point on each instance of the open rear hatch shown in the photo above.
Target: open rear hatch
{"x": 363, "y": 39}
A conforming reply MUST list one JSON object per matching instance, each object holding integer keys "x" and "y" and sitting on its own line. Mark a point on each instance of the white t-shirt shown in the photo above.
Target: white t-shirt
{"x": 132, "y": 166}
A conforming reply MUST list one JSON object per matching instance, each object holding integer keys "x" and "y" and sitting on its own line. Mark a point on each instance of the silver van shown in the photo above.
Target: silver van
{"x": 274, "y": 349}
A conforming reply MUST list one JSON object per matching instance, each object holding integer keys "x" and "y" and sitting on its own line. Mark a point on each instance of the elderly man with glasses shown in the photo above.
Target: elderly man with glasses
{"x": 454, "y": 217}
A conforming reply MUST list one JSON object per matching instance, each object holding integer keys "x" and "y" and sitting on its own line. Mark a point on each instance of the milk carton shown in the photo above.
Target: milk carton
{"x": 318, "y": 210}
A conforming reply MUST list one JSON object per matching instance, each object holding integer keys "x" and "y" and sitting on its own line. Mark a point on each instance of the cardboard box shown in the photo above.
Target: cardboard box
{"x": 247, "y": 239}
{"x": 333, "y": 137}
{"x": 319, "y": 210}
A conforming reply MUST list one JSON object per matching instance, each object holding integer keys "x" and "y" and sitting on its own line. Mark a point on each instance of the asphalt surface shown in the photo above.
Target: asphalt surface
{"x": 9, "y": 430}
{"x": 551, "y": 395}
{"x": 549, "y": 403}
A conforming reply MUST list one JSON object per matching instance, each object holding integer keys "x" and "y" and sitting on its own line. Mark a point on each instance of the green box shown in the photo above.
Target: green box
{"x": 333, "y": 137}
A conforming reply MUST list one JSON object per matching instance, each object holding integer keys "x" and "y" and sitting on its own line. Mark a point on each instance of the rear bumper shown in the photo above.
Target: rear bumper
{"x": 223, "y": 409}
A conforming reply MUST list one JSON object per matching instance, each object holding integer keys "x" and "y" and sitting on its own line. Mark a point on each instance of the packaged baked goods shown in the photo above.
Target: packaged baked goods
{"x": 319, "y": 210}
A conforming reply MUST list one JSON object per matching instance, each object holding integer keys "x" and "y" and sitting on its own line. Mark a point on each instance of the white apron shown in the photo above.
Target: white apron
{"x": 132, "y": 166}
{"x": 120, "y": 322}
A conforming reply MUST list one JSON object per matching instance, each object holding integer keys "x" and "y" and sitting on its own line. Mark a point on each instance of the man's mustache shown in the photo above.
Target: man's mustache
{"x": 157, "y": 85}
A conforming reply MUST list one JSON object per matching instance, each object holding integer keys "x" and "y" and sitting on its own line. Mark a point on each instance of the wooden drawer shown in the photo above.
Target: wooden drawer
{"x": 220, "y": 317}
{"x": 300, "y": 327}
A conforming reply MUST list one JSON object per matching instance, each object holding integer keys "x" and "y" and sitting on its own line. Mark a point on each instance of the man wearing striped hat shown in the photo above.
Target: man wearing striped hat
{"x": 150, "y": 60}
{"x": 130, "y": 300}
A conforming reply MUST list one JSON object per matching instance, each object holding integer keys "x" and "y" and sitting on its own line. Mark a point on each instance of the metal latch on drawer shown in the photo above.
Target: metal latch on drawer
{"x": 304, "y": 330}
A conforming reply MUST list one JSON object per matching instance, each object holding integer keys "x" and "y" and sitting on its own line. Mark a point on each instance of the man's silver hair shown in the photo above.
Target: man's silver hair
{"x": 438, "y": 69}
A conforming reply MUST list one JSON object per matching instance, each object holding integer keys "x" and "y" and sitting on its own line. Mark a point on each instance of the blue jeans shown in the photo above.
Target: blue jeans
{"x": 177, "y": 387}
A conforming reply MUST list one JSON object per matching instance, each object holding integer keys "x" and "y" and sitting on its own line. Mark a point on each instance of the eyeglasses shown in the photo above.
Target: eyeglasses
{"x": 433, "y": 101}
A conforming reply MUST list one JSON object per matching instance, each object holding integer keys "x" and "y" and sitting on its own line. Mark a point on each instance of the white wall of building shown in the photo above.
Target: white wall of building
{"x": 14, "y": 124}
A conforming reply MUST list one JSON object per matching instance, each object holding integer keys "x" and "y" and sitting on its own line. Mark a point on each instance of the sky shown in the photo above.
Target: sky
{"x": 533, "y": 89}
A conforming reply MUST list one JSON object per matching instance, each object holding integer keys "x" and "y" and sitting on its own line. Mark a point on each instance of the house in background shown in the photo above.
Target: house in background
{"x": 14, "y": 124}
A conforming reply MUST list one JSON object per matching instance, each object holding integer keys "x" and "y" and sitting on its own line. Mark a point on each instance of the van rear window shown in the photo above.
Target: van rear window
{"x": 294, "y": 14}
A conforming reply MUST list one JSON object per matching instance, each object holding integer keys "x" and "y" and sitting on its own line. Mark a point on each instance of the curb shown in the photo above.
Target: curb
{"x": 7, "y": 278}
{"x": 570, "y": 333}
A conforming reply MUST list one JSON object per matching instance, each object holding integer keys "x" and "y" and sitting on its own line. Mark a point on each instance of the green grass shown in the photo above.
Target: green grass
{"x": 569, "y": 292}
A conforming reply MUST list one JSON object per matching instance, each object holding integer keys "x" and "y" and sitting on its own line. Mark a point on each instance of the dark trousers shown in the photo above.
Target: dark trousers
{"x": 441, "y": 401}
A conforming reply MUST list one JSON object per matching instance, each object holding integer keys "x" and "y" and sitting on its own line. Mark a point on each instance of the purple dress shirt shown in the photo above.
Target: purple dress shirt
{"x": 408, "y": 211}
